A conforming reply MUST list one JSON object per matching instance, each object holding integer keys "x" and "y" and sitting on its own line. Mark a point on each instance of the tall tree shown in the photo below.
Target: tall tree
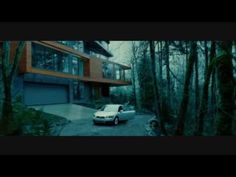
{"x": 157, "y": 104}
{"x": 206, "y": 56}
{"x": 9, "y": 70}
{"x": 213, "y": 85}
{"x": 185, "y": 97}
{"x": 133, "y": 72}
{"x": 135, "y": 50}
{"x": 168, "y": 75}
{"x": 225, "y": 86}
{"x": 133, "y": 81}
{"x": 196, "y": 87}
{"x": 204, "y": 97}
{"x": 160, "y": 74}
{"x": 146, "y": 84}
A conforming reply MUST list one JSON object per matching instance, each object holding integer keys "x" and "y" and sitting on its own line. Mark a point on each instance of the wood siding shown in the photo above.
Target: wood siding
{"x": 96, "y": 69}
{"x": 85, "y": 79}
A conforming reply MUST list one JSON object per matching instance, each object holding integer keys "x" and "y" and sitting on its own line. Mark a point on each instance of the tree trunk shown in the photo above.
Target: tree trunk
{"x": 213, "y": 94}
{"x": 168, "y": 77}
{"x": 213, "y": 86}
{"x": 185, "y": 97}
{"x": 156, "y": 88}
{"x": 206, "y": 56}
{"x": 135, "y": 72}
{"x": 160, "y": 75}
{"x": 134, "y": 83}
{"x": 187, "y": 57}
{"x": 7, "y": 104}
{"x": 204, "y": 98}
{"x": 196, "y": 88}
{"x": 9, "y": 70}
{"x": 225, "y": 86}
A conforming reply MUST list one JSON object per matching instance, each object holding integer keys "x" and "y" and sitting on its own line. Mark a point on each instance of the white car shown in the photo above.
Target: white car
{"x": 113, "y": 113}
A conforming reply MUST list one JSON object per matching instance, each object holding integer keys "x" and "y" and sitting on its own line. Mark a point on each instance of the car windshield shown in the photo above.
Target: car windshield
{"x": 110, "y": 108}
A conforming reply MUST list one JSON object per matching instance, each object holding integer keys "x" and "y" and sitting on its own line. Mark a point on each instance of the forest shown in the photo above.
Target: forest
{"x": 189, "y": 85}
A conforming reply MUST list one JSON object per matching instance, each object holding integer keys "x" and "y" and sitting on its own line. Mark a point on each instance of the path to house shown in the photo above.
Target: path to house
{"x": 82, "y": 125}
{"x": 85, "y": 127}
{"x": 69, "y": 111}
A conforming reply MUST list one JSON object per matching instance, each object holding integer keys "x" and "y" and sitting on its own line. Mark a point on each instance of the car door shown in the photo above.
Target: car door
{"x": 122, "y": 115}
{"x": 129, "y": 114}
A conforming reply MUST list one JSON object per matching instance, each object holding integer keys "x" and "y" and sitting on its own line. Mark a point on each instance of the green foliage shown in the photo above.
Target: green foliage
{"x": 27, "y": 122}
{"x": 19, "y": 99}
{"x": 122, "y": 94}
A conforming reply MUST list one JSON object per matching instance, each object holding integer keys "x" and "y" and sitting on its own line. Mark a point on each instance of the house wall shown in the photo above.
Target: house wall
{"x": 96, "y": 69}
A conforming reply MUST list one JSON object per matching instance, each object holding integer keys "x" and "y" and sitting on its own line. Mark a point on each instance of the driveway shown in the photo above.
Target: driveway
{"x": 82, "y": 125}
{"x": 69, "y": 111}
{"x": 85, "y": 127}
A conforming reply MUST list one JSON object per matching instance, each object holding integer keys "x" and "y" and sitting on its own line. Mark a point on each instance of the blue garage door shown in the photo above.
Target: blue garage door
{"x": 38, "y": 94}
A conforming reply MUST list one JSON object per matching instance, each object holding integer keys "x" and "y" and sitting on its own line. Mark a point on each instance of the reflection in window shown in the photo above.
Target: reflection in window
{"x": 107, "y": 69}
{"x": 117, "y": 71}
{"x": 75, "y": 66}
{"x": 51, "y": 59}
{"x": 77, "y": 45}
{"x": 127, "y": 75}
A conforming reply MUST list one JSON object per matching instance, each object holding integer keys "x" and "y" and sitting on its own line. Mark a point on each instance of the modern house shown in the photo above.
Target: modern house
{"x": 53, "y": 72}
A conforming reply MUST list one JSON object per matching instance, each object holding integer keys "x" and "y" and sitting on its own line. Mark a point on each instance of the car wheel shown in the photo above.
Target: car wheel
{"x": 116, "y": 121}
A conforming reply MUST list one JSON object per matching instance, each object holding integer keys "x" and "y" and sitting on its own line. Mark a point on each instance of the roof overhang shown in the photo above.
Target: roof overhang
{"x": 98, "y": 48}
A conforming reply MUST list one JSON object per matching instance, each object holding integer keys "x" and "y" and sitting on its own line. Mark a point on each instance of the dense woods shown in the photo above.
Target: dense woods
{"x": 189, "y": 85}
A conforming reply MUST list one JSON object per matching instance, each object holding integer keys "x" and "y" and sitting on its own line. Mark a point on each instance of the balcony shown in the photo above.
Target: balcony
{"x": 97, "y": 47}
{"x": 116, "y": 71}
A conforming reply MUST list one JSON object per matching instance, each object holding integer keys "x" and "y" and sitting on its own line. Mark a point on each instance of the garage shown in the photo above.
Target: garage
{"x": 41, "y": 93}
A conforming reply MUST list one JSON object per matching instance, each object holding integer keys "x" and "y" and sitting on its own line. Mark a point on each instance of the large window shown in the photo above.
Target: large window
{"x": 51, "y": 59}
{"x": 114, "y": 71}
{"x": 117, "y": 71}
{"x": 107, "y": 69}
{"x": 128, "y": 75}
{"x": 120, "y": 73}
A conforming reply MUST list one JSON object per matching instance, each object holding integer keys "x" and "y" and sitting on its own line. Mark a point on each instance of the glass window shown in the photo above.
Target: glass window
{"x": 78, "y": 90}
{"x": 117, "y": 70}
{"x": 75, "y": 66}
{"x": 77, "y": 45}
{"x": 128, "y": 75}
{"x": 108, "y": 70}
{"x": 51, "y": 59}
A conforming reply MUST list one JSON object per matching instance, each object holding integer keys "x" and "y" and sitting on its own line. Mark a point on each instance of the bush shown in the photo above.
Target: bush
{"x": 31, "y": 122}
{"x": 28, "y": 122}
